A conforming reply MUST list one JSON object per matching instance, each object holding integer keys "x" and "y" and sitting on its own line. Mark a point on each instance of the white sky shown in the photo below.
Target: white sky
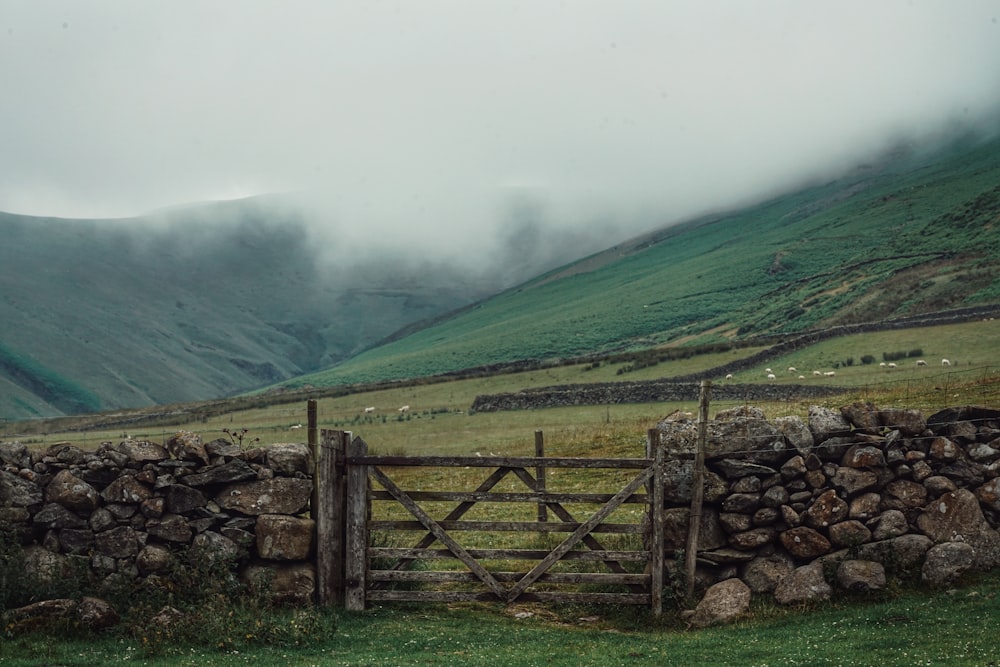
{"x": 428, "y": 121}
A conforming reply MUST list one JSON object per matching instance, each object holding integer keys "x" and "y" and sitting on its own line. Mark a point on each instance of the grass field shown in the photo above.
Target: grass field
{"x": 900, "y": 627}
{"x": 439, "y": 422}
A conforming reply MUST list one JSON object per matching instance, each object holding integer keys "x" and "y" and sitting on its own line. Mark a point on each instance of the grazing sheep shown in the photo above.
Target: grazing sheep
{"x": 295, "y": 426}
{"x": 945, "y": 362}
{"x": 729, "y": 376}
{"x": 892, "y": 364}
{"x": 405, "y": 408}
{"x": 802, "y": 377}
{"x": 792, "y": 369}
{"x": 816, "y": 373}
{"x": 881, "y": 364}
{"x": 768, "y": 370}
{"x": 830, "y": 374}
{"x": 921, "y": 362}
{"x": 369, "y": 410}
{"x": 770, "y": 376}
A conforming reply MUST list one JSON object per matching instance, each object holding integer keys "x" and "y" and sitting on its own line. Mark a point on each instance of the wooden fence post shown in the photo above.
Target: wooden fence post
{"x": 697, "y": 488}
{"x": 655, "y": 442}
{"x": 356, "y": 557}
{"x": 312, "y": 424}
{"x": 543, "y": 510}
{"x": 330, "y": 496}
{"x": 314, "y": 451}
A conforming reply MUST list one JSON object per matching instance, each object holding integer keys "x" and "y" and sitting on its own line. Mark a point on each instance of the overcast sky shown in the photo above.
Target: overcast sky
{"x": 441, "y": 122}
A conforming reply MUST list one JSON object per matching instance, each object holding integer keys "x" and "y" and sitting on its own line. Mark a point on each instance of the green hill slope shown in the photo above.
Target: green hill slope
{"x": 917, "y": 233}
{"x": 185, "y": 305}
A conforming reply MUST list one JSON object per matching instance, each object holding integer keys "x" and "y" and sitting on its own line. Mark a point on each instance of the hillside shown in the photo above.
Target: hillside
{"x": 917, "y": 232}
{"x": 188, "y": 304}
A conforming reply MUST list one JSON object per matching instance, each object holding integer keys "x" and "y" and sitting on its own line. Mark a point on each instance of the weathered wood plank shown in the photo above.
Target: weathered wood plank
{"x": 506, "y": 554}
{"x": 656, "y": 519}
{"x": 432, "y": 526}
{"x": 496, "y": 497}
{"x": 588, "y": 526}
{"x": 331, "y": 499}
{"x": 543, "y": 514}
{"x": 697, "y": 489}
{"x": 453, "y": 515}
{"x": 498, "y": 462}
{"x": 564, "y": 515}
{"x": 484, "y": 596}
{"x": 441, "y": 576}
{"x": 509, "y": 526}
{"x": 356, "y": 563}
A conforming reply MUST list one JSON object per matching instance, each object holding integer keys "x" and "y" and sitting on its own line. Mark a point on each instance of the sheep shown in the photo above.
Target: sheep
{"x": 802, "y": 377}
{"x": 830, "y": 374}
{"x": 295, "y": 426}
{"x": 405, "y": 408}
{"x": 881, "y": 364}
{"x": 792, "y": 369}
{"x": 768, "y": 370}
{"x": 921, "y": 362}
{"x": 770, "y": 376}
{"x": 816, "y": 373}
{"x": 369, "y": 410}
{"x": 892, "y": 364}
{"x": 729, "y": 376}
{"x": 945, "y": 362}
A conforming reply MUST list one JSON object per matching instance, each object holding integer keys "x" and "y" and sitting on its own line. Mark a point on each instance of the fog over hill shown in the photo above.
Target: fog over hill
{"x": 427, "y": 154}
{"x": 192, "y": 303}
{"x": 205, "y": 300}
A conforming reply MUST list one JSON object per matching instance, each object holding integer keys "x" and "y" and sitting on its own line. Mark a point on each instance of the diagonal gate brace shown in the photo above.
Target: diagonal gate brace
{"x": 565, "y": 516}
{"x": 578, "y": 534}
{"x": 437, "y": 531}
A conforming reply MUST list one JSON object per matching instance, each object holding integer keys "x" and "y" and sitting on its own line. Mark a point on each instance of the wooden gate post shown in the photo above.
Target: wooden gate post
{"x": 543, "y": 510}
{"x": 656, "y": 555}
{"x": 312, "y": 423}
{"x": 329, "y": 500}
{"x": 697, "y": 488}
{"x": 356, "y": 557}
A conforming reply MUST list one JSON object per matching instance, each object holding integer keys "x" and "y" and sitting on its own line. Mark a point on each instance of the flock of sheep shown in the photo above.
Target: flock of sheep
{"x": 791, "y": 369}
{"x": 770, "y": 376}
{"x": 371, "y": 409}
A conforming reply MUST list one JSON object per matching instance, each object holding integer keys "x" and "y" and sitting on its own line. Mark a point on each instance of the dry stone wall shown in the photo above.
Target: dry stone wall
{"x": 643, "y": 391}
{"x": 137, "y": 509}
{"x": 799, "y": 508}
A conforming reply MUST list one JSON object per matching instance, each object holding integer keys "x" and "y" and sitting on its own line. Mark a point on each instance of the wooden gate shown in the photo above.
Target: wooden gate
{"x": 380, "y": 541}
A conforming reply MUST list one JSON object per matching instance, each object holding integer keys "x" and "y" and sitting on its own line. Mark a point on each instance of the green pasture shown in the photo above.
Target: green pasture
{"x": 901, "y": 625}
{"x": 439, "y": 421}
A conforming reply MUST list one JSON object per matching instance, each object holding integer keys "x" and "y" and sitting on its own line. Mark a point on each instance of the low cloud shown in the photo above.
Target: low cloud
{"x": 517, "y": 131}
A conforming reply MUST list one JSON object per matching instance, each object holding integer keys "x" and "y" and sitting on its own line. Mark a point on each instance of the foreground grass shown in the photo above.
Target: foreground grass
{"x": 904, "y": 628}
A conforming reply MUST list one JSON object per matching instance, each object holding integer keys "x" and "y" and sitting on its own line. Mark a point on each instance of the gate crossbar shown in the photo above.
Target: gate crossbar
{"x": 359, "y": 466}
{"x": 578, "y": 534}
{"x": 431, "y": 525}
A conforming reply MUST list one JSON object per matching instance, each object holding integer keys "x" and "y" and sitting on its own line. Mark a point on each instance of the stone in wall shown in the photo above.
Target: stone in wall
{"x": 131, "y": 509}
{"x": 281, "y": 495}
{"x": 866, "y": 486}
{"x": 281, "y": 537}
